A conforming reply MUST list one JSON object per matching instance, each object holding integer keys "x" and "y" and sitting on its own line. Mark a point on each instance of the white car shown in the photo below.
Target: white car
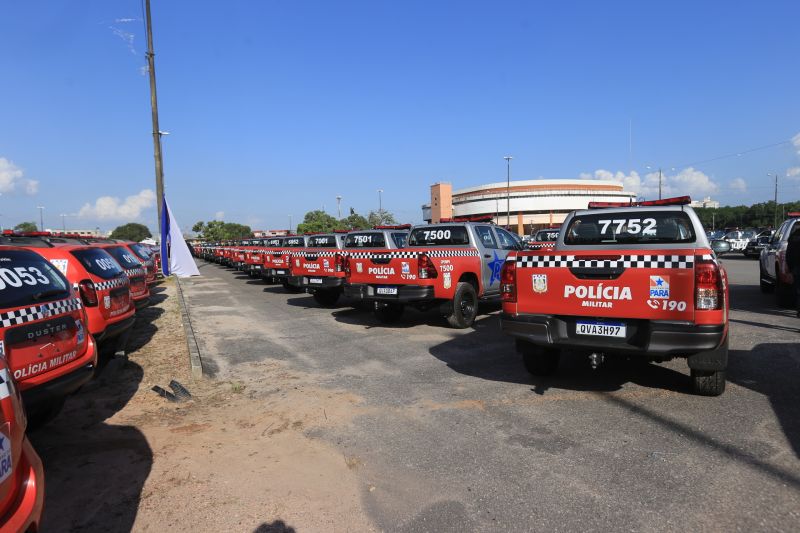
{"x": 739, "y": 239}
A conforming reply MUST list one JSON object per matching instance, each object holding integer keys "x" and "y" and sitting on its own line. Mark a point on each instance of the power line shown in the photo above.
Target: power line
{"x": 735, "y": 154}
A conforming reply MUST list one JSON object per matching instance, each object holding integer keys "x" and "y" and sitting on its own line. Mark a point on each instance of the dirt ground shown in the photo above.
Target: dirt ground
{"x": 237, "y": 457}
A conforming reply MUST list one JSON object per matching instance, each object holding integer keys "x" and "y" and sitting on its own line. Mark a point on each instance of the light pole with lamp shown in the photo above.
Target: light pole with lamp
{"x": 508, "y": 159}
{"x": 41, "y": 217}
{"x": 290, "y": 223}
{"x": 380, "y": 201}
{"x": 63, "y": 222}
{"x": 775, "y": 215}
{"x": 339, "y": 205}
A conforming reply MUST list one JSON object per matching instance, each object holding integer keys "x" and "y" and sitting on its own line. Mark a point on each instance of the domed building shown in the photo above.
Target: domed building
{"x": 533, "y": 204}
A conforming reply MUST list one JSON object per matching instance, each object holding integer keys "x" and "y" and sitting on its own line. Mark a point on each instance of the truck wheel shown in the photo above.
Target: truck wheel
{"x": 327, "y": 298}
{"x": 784, "y": 294}
{"x": 708, "y": 382}
{"x": 465, "y": 306}
{"x": 765, "y": 287}
{"x": 539, "y": 361}
{"x": 290, "y": 288}
{"x": 389, "y": 313}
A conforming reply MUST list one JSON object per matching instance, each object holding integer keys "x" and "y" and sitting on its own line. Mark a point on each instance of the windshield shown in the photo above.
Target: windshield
{"x": 26, "y": 278}
{"x": 322, "y": 241}
{"x": 98, "y": 262}
{"x": 365, "y": 240}
{"x": 634, "y": 227}
{"x": 144, "y": 252}
{"x": 546, "y": 235}
{"x": 439, "y": 236}
{"x": 273, "y": 243}
{"x": 400, "y": 239}
{"x": 124, "y": 257}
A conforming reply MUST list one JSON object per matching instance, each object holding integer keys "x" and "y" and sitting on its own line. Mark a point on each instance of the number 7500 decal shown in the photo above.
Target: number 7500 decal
{"x": 667, "y": 305}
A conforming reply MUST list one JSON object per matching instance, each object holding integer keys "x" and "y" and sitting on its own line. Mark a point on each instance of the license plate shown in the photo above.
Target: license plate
{"x": 280, "y": 272}
{"x": 601, "y": 330}
{"x": 315, "y": 280}
{"x": 386, "y": 290}
{"x": 257, "y": 267}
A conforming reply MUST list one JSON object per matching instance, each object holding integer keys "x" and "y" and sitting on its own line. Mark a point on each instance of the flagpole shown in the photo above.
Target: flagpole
{"x": 151, "y": 67}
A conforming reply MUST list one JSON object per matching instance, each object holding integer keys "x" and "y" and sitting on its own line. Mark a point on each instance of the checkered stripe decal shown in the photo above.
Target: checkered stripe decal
{"x": 321, "y": 253}
{"x": 112, "y": 284}
{"x": 383, "y": 255}
{"x": 453, "y": 253}
{"x": 39, "y": 312}
{"x": 133, "y": 272}
{"x": 626, "y": 261}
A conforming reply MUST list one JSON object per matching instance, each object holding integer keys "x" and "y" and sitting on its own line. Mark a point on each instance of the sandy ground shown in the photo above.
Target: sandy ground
{"x": 237, "y": 457}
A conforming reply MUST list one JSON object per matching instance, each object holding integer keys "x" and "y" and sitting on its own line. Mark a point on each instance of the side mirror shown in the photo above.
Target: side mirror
{"x": 720, "y": 247}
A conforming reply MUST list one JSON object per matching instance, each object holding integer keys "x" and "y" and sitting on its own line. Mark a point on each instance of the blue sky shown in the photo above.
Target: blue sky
{"x": 275, "y": 107}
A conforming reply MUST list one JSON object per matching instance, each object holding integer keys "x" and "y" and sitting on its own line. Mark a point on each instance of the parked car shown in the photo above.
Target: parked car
{"x": 739, "y": 239}
{"x": 774, "y": 273}
{"x": 754, "y": 247}
{"x": 136, "y": 271}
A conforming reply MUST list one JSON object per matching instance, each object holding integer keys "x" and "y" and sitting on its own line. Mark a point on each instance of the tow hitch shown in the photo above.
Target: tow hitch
{"x": 596, "y": 359}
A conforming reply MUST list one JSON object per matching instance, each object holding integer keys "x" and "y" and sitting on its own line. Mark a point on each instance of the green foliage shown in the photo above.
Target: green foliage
{"x": 381, "y": 217}
{"x": 759, "y": 215}
{"x": 133, "y": 231}
{"x": 318, "y": 221}
{"x": 217, "y": 230}
{"x": 355, "y": 221}
{"x": 26, "y": 227}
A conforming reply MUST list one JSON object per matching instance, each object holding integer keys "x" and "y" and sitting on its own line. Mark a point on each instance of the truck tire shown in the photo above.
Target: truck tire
{"x": 708, "y": 382}
{"x": 539, "y": 361}
{"x": 327, "y": 298}
{"x": 389, "y": 313}
{"x": 465, "y": 306}
{"x": 784, "y": 294}
{"x": 291, "y": 288}
{"x": 765, "y": 286}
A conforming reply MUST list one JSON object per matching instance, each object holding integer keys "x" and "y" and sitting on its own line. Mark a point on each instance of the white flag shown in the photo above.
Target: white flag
{"x": 175, "y": 256}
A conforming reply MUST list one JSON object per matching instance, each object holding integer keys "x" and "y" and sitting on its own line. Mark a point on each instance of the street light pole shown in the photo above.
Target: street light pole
{"x": 63, "y": 222}
{"x": 380, "y": 201}
{"x": 151, "y": 67}
{"x": 290, "y": 223}
{"x": 508, "y": 159}
{"x": 659, "y": 183}
{"x": 41, "y": 217}
{"x": 339, "y": 206}
{"x": 775, "y": 216}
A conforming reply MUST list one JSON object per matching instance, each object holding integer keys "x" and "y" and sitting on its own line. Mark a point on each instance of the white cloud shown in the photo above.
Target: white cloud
{"x": 738, "y": 185}
{"x": 110, "y": 207}
{"x": 793, "y": 172}
{"x": 12, "y": 176}
{"x": 796, "y": 143}
{"x": 688, "y": 181}
{"x": 219, "y": 215}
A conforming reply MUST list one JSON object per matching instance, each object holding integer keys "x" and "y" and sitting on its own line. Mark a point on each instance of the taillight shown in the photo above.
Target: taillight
{"x": 346, "y": 265}
{"x": 708, "y": 285}
{"x": 508, "y": 281}
{"x": 426, "y": 268}
{"x": 88, "y": 293}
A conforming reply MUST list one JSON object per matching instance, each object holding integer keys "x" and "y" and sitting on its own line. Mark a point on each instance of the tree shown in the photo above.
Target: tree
{"x": 381, "y": 217}
{"x": 318, "y": 221}
{"x": 132, "y": 231}
{"x": 354, "y": 221}
{"x": 26, "y": 227}
{"x": 217, "y": 230}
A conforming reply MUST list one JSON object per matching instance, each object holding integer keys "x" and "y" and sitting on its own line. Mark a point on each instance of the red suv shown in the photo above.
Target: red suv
{"x": 21, "y": 472}
{"x": 136, "y": 271}
{"x": 43, "y": 331}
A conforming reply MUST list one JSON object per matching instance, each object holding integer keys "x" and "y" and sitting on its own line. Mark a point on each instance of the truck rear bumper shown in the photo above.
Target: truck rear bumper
{"x": 405, "y": 293}
{"x": 326, "y": 282}
{"x": 644, "y": 337}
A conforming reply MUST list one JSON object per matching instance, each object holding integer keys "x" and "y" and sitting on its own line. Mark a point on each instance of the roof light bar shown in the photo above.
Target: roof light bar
{"x": 399, "y": 226}
{"x": 678, "y": 200}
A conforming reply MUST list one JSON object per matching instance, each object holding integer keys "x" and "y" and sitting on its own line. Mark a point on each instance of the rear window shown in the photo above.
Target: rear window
{"x": 124, "y": 257}
{"x": 400, "y": 239}
{"x": 439, "y": 236}
{"x": 28, "y": 279}
{"x": 322, "y": 241}
{"x": 272, "y": 242}
{"x": 546, "y": 235}
{"x": 144, "y": 252}
{"x": 365, "y": 240}
{"x": 634, "y": 227}
{"x": 294, "y": 242}
{"x": 98, "y": 262}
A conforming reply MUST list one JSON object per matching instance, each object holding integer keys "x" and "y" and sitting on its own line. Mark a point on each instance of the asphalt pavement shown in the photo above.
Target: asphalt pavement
{"x": 455, "y": 435}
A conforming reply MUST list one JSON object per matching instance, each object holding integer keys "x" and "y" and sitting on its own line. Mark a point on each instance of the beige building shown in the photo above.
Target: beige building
{"x": 532, "y": 204}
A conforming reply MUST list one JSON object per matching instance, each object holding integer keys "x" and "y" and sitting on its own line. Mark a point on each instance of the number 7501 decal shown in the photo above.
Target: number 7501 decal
{"x": 667, "y": 305}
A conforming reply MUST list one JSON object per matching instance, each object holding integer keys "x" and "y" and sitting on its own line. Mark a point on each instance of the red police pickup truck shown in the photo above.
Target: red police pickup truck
{"x": 451, "y": 265}
{"x": 639, "y": 281}
{"x": 317, "y": 268}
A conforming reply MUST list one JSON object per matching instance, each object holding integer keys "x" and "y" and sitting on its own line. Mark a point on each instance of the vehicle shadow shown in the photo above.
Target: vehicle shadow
{"x": 277, "y": 526}
{"x": 306, "y": 301}
{"x": 773, "y": 370}
{"x": 497, "y": 360}
{"x": 95, "y": 471}
{"x": 360, "y": 313}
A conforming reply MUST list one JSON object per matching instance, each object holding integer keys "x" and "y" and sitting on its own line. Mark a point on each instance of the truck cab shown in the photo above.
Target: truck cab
{"x": 635, "y": 281}
{"x": 452, "y": 265}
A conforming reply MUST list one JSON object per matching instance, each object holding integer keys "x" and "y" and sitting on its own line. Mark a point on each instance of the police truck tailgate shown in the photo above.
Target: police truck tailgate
{"x": 607, "y": 284}
{"x": 389, "y": 268}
